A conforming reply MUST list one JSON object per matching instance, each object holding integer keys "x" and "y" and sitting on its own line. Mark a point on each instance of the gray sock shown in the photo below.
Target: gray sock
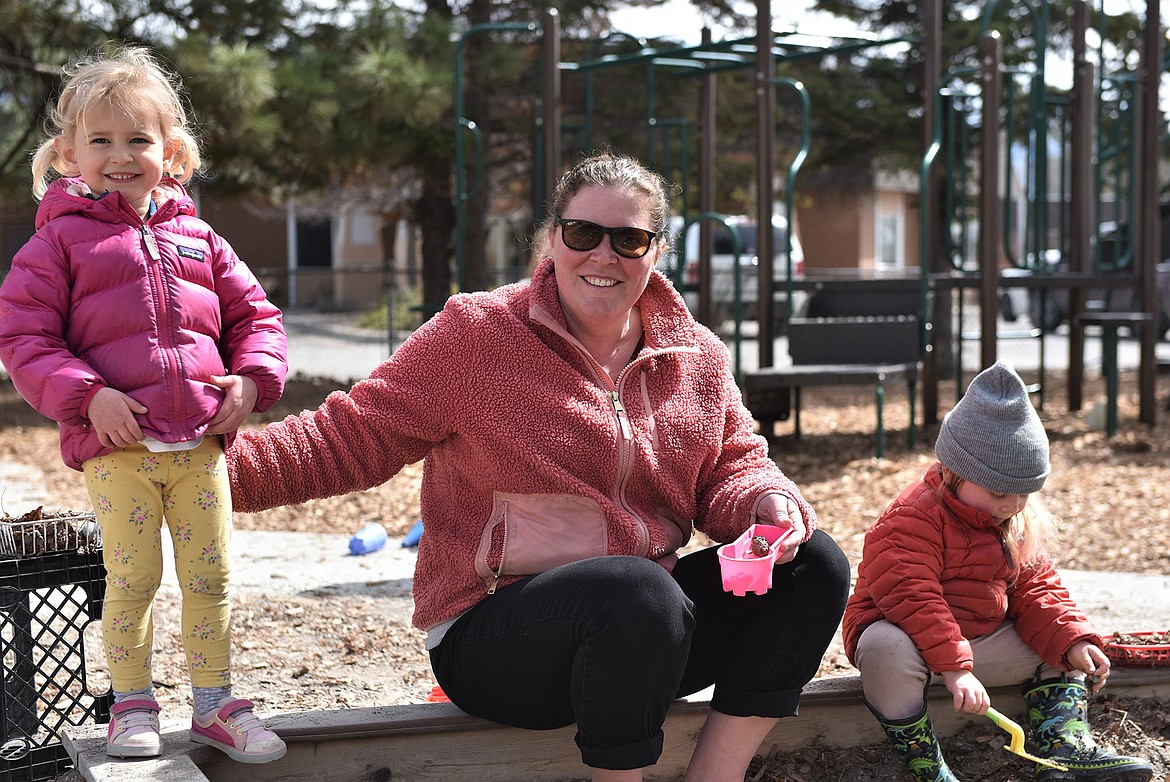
{"x": 207, "y": 698}
{"x": 145, "y": 692}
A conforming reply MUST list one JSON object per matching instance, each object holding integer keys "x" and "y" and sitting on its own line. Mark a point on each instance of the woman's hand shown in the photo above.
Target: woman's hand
{"x": 1089, "y": 659}
{"x": 111, "y": 413}
{"x": 782, "y": 511}
{"x": 969, "y": 694}
{"x": 239, "y": 399}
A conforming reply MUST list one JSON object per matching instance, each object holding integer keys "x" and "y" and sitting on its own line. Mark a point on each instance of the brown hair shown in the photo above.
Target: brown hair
{"x": 607, "y": 169}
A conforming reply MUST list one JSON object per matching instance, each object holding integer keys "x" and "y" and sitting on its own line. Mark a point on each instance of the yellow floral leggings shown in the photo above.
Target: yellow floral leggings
{"x": 132, "y": 490}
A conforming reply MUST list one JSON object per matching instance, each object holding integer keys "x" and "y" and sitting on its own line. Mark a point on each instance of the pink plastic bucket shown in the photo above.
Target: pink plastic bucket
{"x": 744, "y": 571}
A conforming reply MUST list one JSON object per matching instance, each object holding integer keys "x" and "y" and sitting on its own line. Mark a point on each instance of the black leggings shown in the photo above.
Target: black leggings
{"x": 609, "y": 643}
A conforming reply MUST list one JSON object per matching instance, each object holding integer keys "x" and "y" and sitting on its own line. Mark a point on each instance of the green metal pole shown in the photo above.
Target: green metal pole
{"x": 790, "y": 182}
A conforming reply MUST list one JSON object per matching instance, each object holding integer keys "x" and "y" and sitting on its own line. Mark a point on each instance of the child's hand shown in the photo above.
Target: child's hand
{"x": 1088, "y": 658}
{"x": 239, "y": 399}
{"x": 111, "y": 413}
{"x": 970, "y": 695}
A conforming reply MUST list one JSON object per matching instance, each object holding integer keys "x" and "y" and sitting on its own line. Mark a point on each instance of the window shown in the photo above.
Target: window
{"x": 314, "y": 242}
{"x": 889, "y": 245}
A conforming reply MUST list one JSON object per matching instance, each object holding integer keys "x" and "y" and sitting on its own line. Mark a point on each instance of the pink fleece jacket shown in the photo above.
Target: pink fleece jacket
{"x": 533, "y": 457}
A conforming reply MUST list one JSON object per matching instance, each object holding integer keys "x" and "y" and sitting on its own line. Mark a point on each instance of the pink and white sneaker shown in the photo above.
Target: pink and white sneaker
{"x": 237, "y": 732}
{"x": 133, "y": 731}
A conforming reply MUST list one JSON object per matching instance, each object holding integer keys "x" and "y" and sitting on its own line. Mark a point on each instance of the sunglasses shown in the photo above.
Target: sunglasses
{"x": 627, "y": 241}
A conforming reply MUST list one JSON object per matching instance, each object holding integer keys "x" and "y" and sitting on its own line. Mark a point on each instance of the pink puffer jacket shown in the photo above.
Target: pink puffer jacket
{"x": 533, "y": 457}
{"x": 98, "y": 297}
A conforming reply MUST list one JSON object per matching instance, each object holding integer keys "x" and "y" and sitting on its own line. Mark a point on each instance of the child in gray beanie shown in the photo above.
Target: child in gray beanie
{"x": 944, "y": 567}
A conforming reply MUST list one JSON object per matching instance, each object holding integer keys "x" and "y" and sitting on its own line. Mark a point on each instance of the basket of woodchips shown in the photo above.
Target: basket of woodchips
{"x": 1139, "y": 650}
{"x": 40, "y": 532}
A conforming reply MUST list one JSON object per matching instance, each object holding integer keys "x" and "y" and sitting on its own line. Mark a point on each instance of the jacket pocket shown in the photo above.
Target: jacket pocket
{"x": 531, "y": 533}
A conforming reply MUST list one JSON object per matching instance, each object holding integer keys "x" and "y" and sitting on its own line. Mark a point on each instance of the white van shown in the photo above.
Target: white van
{"x": 722, "y": 269}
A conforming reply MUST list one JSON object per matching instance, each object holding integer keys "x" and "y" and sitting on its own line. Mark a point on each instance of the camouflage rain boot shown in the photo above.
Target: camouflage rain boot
{"x": 1058, "y": 713}
{"x": 914, "y": 741}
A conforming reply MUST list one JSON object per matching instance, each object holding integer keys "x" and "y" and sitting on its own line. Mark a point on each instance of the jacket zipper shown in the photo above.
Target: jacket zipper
{"x": 625, "y": 458}
{"x": 497, "y": 571}
{"x": 162, "y": 311}
{"x": 623, "y": 420}
{"x": 1007, "y": 552}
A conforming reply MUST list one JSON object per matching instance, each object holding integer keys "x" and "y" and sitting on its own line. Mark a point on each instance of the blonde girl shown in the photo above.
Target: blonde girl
{"x": 131, "y": 323}
{"x": 137, "y": 85}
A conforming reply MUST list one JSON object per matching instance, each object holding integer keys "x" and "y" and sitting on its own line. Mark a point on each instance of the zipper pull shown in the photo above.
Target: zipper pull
{"x": 620, "y": 411}
{"x": 495, "y": 582}
{"x": 151, "y": 244}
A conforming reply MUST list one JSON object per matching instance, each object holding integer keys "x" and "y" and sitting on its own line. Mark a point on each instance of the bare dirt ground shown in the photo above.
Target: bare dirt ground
{"x": 304, "y": 653}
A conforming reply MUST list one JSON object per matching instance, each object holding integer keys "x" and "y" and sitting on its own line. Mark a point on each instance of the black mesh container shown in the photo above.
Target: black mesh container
{"x": 52, "y": 583}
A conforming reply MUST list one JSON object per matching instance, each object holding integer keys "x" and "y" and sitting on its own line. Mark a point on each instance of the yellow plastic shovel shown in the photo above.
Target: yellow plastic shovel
{"x": 1017, "y": 745}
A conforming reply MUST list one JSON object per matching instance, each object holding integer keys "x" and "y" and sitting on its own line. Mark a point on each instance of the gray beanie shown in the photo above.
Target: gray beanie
{"x": 993, "y": 436}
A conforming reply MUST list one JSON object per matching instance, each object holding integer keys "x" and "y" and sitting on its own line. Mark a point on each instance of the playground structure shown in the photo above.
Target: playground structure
{"x": 438, "y": 741}
{"x": 1112, "y": 118}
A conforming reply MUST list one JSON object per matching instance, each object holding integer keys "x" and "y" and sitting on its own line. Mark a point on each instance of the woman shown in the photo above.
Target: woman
{"x": 575, "y": 428}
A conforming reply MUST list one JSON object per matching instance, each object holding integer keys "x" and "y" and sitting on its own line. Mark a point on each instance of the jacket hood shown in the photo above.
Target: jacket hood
{"x": 70, "y": 195}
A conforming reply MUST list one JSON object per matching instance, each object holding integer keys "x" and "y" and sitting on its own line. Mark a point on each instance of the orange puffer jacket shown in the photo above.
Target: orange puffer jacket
{"x": 938, "y": 569}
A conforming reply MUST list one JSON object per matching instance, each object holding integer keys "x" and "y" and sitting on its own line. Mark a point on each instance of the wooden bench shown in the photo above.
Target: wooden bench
{"x": 839, "y": 350}
{"x": 1110, "y": 322}
{"x": 765, "y": 390}
{"x": 437, "y": 741}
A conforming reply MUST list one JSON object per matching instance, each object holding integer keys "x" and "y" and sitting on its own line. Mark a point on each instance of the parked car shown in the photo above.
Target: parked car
{"x": 1015, "y": 300}
{"x": 1050, "y": 310}
{"x": 1048, "y": 307}
{"x": 723, "y": 269}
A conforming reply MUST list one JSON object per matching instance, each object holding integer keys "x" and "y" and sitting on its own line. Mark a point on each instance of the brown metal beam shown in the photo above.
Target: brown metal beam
{"x": 990, "y": 74}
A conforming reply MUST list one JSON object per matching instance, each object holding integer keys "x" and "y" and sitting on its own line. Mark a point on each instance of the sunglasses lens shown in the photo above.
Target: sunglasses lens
{"x": 581, "y": 235}
{"x": 628, "y": 242}
{"x": 631, "y": 242}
